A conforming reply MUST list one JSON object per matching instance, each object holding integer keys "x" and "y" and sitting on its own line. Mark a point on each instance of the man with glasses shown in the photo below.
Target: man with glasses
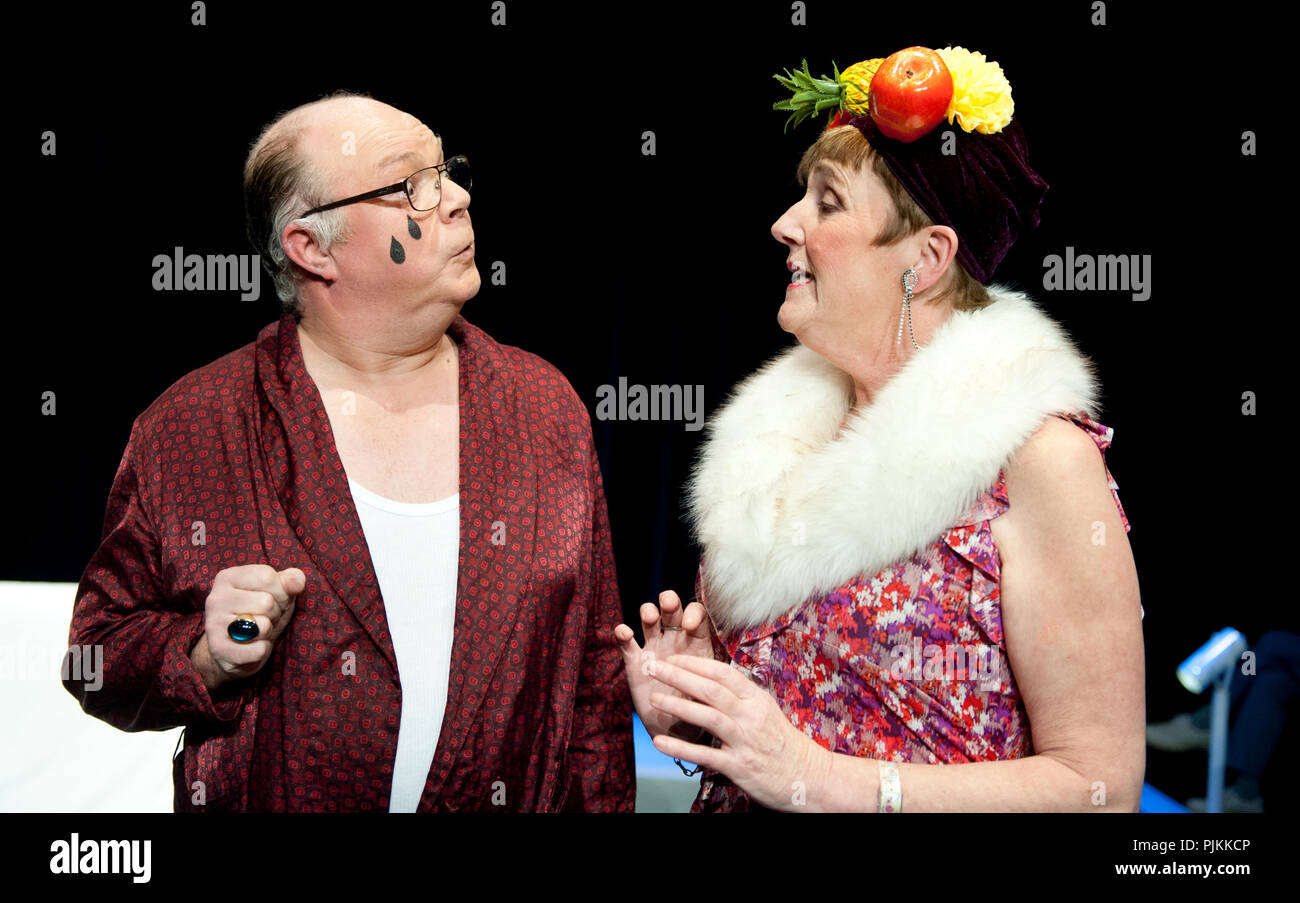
{"x": 365, "y": 560}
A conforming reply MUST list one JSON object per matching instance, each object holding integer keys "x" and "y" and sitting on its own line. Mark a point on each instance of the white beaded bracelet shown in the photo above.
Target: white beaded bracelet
{"x": 891, "y": 791}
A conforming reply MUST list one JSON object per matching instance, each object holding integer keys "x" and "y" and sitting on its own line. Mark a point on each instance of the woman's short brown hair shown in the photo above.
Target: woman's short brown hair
{"x": 848, "y": 147}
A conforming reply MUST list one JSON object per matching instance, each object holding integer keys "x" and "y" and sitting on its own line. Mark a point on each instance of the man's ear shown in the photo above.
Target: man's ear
{"x": 303, "y": 248}
{"x": 937, "y": 252}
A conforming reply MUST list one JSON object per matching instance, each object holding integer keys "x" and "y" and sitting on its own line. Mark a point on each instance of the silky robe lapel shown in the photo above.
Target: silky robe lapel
{"x": 313, "y": 487}
{"x": 497, "y": 486}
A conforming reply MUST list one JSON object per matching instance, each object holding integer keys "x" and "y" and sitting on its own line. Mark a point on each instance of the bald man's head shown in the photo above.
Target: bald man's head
{"x": 290, "y": 168}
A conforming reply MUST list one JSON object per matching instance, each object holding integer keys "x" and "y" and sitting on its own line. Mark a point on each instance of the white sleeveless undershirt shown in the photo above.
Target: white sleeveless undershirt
{"x": 415, "y": 548}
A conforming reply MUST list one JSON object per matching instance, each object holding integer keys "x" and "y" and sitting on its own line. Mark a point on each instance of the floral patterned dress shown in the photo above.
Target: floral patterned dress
{"x": 907, "y": 665}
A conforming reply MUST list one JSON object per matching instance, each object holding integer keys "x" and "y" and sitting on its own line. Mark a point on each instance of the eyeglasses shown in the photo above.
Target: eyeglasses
{"x": 423, "y": 187}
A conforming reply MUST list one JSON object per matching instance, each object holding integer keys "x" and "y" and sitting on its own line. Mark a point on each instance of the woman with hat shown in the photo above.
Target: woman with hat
{"x": 916, "y": 591}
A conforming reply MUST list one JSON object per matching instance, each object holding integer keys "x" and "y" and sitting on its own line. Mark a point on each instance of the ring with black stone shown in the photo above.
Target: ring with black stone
{"x": 243, "y": 629}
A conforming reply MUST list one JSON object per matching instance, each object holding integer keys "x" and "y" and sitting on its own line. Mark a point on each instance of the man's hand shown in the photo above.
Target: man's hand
{"x": 668, "y": 631}
{"x": 255, "y": 591}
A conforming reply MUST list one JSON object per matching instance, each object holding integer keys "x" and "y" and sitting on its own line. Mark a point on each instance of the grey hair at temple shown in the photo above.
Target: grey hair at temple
{"x": 278, "y": 182}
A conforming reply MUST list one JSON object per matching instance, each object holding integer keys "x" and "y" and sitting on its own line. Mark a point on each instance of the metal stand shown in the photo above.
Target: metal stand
{"x": 1218, "y": 743}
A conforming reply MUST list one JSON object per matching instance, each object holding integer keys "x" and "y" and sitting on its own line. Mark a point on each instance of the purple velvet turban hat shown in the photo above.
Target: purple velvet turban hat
{"x": 986, "y": 191}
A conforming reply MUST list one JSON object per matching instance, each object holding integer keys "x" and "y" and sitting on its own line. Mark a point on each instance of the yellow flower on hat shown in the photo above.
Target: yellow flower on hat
{"x": 981, "y": 94}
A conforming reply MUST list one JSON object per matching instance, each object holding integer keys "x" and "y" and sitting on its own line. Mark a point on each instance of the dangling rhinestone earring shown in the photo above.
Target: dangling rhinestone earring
{"x": 907, "y": 307}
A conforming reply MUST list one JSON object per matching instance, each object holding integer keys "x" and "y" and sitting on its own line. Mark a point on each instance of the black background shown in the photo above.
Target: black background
{"x": 662, "y": 269}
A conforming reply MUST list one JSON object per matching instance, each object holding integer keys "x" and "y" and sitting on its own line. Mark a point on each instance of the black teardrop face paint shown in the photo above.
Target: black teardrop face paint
{"x": 413, "y": 227}
{"x": 396, "y": 251}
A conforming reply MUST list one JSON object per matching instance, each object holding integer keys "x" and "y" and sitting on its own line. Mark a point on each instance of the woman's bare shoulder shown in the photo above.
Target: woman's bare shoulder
{"x": 1058, "y": 448}
{"x": 1055, "y": 482}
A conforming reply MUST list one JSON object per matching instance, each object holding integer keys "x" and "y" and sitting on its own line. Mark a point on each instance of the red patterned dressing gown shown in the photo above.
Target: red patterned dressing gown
{"x": 240, "y": 453}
